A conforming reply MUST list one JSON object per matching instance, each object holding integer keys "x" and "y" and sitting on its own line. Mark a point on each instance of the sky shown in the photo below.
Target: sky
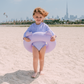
{"x": 20, "y": 9}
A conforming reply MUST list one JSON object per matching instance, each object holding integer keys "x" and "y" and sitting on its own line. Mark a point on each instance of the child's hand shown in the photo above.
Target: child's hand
{"x": 26, "y": 39}
{"x": 53, "y": 38}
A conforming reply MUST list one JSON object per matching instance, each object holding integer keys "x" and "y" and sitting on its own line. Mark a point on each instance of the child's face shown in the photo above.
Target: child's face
{"x": 38, "y": 18}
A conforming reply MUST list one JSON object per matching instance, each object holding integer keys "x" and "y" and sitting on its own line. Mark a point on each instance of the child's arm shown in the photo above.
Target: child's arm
{"x": 24, "y": 36}
{"x": 53, "y": 34}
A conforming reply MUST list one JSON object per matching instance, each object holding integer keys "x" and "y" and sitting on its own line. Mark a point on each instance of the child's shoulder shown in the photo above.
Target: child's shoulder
{"x": 45, "y": 24}
{"x": 32, "y": 25}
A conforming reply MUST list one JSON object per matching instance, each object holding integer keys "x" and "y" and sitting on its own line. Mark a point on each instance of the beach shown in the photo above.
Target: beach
{"x": 63, "y": 65}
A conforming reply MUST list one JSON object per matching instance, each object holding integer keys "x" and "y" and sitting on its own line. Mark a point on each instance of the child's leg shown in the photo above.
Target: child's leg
{"x": 35, "y": 60}
{"x": 41, "y": 57}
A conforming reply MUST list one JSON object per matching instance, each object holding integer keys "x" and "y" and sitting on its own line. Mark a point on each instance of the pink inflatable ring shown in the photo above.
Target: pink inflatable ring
{"x": 39, "y": 36}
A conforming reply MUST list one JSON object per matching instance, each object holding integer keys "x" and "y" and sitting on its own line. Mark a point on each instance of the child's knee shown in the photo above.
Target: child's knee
{"x": 41, "y": 57}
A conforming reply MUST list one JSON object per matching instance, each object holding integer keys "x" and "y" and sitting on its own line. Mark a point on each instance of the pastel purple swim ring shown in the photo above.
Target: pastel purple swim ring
{"x": 39, "y": 36}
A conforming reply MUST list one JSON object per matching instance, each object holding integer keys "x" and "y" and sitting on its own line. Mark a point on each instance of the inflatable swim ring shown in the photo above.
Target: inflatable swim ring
{"x": 39, "y": 36}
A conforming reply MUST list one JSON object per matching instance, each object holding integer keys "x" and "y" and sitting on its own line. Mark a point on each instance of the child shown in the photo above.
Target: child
{"x": 39, "y": 26}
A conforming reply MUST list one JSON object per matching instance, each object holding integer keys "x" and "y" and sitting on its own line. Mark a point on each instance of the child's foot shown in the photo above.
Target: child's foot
{"x": 41, "y": 73}
{"x": 34, "y": 75}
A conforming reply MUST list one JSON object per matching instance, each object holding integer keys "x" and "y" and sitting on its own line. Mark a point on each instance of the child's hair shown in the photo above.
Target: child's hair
{"x": 41, "y": 11}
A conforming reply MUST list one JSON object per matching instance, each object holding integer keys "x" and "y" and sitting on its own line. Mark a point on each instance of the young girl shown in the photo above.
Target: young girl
{"x": 39, "y": 26}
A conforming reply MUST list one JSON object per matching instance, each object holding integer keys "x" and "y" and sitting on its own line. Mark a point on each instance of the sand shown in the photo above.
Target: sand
{"x": 63, "y": 65}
